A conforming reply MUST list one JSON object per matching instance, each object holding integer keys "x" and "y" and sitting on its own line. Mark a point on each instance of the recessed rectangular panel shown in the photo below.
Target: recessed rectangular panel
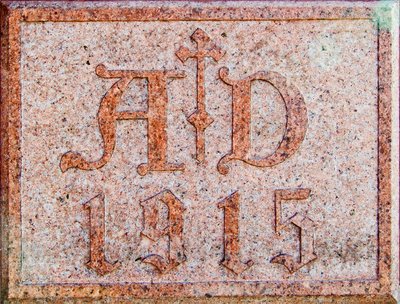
{"x": 193, "y": 151}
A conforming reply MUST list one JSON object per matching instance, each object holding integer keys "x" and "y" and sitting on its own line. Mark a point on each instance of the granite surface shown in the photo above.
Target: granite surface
{"x": 199, "y": 149}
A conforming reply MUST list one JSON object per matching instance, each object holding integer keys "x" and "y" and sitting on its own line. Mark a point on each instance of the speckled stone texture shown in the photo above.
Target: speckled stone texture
{"x": 171, "y": 150}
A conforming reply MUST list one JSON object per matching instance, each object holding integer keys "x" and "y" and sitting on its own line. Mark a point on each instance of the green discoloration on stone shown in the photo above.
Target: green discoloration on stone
{"x": 383, "y": 15}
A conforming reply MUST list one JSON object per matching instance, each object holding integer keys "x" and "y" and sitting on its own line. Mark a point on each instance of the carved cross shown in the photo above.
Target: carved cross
{"x": 200, "y": 119}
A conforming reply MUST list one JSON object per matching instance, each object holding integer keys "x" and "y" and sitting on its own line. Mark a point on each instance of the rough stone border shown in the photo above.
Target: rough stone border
{"x": 10, "y": 124}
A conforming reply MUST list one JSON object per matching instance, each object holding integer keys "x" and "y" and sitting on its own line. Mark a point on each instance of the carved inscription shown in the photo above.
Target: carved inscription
{"x": 231, "y": 235}
{"x": 108, "y": 115}
{"x": 200, "y": 119}
{"x": 296, "y": 120}
{"x": 173, "y": 230}
{"x": 97, "y": 261}
{"x": 303, "y": 224}
{"x": 156, "y": 117}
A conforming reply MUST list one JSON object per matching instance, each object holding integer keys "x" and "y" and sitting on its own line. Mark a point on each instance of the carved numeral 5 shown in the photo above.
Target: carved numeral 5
{"x": 302, "y": 223}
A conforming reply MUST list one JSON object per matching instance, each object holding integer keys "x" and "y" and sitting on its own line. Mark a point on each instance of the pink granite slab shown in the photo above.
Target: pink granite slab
{"x": 171, "y": 150}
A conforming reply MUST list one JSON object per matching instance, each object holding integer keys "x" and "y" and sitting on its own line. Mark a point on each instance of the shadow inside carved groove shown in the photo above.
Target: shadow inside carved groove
{"x": 268, "y": 119}
{"x": 296, "y": 120}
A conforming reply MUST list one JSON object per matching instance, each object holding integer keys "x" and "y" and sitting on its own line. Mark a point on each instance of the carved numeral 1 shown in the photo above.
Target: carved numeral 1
{"x": 302, "y": 223}
{"x": 231, "y": 235}
{"x": 97, "y": 260}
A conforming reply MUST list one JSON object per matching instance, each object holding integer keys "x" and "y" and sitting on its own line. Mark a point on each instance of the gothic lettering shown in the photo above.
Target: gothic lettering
{"x": 296, "y": 120}
{"x": 231, "y": 235}
{"x": 304, "y": 225}
{"x": 174, "y": 230}
{"x": 97, "y": 261}
{"x": 108, "y": 115}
